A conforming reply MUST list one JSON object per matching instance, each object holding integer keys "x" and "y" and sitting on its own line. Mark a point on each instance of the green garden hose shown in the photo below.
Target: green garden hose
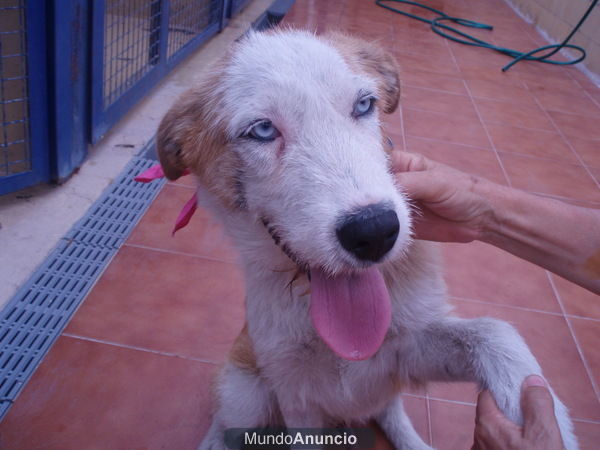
{"x": 464, "y": 38}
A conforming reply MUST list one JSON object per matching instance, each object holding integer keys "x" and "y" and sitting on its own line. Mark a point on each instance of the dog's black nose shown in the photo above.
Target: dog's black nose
{"x": 370, "y": 232}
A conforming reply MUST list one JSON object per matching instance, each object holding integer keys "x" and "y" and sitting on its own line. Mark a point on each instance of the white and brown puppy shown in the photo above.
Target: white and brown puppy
{"x": 343, "y": 307}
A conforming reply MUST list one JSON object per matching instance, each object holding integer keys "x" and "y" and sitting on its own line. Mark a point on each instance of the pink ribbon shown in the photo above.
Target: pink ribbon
{"x": 186, "y": 213}
{"x": 156, "y": 172}
{"x": 148, "y": 175}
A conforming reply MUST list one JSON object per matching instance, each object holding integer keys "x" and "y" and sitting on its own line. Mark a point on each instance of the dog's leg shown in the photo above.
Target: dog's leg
{"x": 243, "y": 401}
{"x": 398, "y": 427}
{"x": 487, "y": 351}
{"x": 295, "y": 416}
{"x": 214, "y": 439}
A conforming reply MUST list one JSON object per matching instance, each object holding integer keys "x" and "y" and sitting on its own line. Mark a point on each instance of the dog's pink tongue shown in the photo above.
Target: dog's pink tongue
{"x": 351, "y": 313}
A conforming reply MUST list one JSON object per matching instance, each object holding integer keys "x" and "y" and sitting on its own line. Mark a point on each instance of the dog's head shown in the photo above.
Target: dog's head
{"x": 287, "y": 128}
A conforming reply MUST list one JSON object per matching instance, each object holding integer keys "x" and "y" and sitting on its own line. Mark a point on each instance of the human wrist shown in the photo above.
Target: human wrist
{"x": 509, "y": 223}
{"x": 493, "y": 199}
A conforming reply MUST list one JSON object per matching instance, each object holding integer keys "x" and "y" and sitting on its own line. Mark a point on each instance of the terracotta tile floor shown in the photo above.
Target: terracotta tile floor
{"x": 133, "y": 368}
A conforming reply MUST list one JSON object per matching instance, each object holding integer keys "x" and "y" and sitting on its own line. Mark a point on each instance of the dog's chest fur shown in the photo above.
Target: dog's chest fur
{"x": 290, "y": 354}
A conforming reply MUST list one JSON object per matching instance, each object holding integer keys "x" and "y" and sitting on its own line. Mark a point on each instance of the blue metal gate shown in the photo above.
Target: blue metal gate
{"x": 70, "y": 69}
{"x": 136, "y": 42}
{"x": 24, "y": 156}
{"x": 236, "y": 6}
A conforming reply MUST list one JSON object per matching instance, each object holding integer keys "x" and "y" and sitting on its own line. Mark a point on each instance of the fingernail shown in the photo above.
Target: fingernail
{"x": 534, "y": 380}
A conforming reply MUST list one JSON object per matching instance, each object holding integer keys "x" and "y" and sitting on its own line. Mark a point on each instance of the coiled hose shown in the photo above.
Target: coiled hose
{"x": 458, "y": 36}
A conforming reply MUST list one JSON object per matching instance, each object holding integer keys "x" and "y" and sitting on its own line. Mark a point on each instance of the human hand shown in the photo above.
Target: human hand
{"x": 453, "y": 207}
{"x": 493, "y": 431}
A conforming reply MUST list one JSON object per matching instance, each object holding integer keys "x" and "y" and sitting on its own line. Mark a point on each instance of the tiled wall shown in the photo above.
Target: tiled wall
{"x": 558, "y": 17}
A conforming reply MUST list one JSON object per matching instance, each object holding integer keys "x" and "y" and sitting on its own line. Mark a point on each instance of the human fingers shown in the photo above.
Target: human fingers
{"x": 539, "y": 421}
{"x": 420, "y": 185}
{"x": 410, "y": 162}
{"x": 493, "y": 431}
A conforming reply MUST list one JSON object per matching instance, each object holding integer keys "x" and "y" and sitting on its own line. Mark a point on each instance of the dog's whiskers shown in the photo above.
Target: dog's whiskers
{"x": 296, "y": 277}
{"x": 240, "y": 190}
{"x": 284, "y": 270}
{"x": 302, "y": 266}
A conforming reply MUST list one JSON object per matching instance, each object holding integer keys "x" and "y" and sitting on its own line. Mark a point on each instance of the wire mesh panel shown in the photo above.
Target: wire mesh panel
{"x": 136, "y": 42}
{"x": 189, "y": 18}
{"x": 15, "y": 155}
{"x": 131, "y": 42}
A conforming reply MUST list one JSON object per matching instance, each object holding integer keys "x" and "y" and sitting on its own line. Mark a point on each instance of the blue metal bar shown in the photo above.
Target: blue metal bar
{"x": 226, "y": 8}
{"x": 237, "y": 6}
{"x": 99, "y": 59}
{"x": 70, "y": 83}
{"x": 164, "y": 30}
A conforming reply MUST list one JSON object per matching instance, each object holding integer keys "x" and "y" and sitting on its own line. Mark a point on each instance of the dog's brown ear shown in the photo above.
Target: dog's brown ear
{"x": 189, "y": 136}
{"x": 170, "y": 139}
{"x": 370, "y": 58}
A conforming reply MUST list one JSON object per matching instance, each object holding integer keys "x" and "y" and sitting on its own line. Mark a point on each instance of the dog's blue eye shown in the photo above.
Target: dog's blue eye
{"x": 264, "y": 131}
{"x": 363, "y": 106}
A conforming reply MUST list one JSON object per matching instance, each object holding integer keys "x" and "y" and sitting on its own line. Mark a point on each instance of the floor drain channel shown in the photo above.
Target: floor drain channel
{"x": 35, "y": 316}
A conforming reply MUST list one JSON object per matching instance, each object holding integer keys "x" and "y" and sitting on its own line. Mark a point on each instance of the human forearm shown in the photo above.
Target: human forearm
{"x": 458, "y": 207}
{"x": 560, "y": 237}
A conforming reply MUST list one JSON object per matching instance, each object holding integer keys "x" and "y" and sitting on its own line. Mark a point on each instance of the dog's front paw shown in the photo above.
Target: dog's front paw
{"x": 564, "y": 424}
{"x": 508, "y": 399}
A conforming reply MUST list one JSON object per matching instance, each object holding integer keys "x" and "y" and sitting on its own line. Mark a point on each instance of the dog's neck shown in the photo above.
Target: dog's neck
{"x": 257, "y": 246}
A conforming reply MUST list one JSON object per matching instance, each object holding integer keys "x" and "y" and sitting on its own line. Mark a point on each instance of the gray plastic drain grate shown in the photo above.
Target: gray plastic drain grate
{"x": 38, "y": 312}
